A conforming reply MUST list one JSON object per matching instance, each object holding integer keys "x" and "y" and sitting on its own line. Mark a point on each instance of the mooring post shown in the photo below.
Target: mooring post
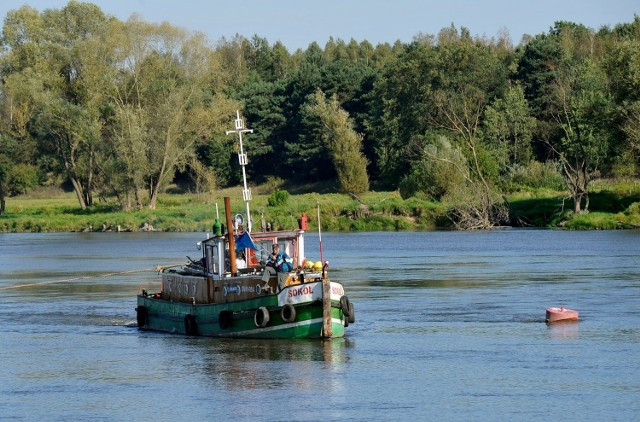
{"x": 327, "y": 330}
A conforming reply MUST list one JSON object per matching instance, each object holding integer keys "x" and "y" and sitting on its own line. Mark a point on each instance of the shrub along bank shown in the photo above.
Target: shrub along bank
{"x": 612, "y": 206}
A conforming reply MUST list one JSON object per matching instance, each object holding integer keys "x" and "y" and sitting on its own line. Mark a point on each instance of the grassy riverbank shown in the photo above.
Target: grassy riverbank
{"x": 612, "y": 206}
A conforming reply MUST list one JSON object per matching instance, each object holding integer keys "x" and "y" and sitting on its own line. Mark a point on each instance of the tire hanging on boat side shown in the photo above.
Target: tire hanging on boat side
{"x": 288, "y": 313}
{"x": 344, "y": 305}
{"x": 142, "y": 316}
{"x": 225, "y": 318}
{"x": 261, "y": 317}
{"x": 352, "y": 313}
{"x": 190, "y": 326}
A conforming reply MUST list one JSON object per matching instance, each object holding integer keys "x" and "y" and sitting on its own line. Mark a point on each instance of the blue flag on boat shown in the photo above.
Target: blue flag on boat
{"x": 244, "y": 241}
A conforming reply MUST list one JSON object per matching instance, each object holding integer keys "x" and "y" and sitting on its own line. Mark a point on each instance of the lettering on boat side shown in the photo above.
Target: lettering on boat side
{"x": 305, "y": 290}
{"x": 184, "y": 287}
{"x": 337, "y": 290}
{"x": 237, "y": 289}
{"x": 227, "y": 290}
{"x": 179, "y": 288}
{"x": 308, "y": 293}
{"x": 300, "y": 294}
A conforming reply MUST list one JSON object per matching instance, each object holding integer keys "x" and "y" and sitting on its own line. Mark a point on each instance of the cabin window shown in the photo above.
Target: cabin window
{"x": 210, "y": 253}
{"x": 264, "y": 249}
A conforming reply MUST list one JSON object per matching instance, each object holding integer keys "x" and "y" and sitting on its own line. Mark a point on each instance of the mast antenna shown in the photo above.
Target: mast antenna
{"x": 242, "y": 157}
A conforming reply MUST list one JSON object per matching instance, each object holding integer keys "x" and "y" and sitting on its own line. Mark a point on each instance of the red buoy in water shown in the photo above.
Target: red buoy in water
{"x": 560, "y": 314}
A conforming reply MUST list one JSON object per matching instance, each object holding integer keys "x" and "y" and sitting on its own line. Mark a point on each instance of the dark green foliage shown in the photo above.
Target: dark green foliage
{"x": 535, "y": 175}
{"x": 278, "y": 198}
{"x": 537, "y": 212}
{"x": 536, "y": 70}
{"x": 613, "y": 202}
{"x": 22, "y": 178}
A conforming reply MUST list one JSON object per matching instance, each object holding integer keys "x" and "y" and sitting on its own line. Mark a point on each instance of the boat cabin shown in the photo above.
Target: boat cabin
{"x": 219, "y": 277}
{"x": 217, "y": 257}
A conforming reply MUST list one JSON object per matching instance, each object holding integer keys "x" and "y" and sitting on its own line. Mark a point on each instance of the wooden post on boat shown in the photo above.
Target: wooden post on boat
{"x": 232, "y": 239}
{"x": 327, "y": 330}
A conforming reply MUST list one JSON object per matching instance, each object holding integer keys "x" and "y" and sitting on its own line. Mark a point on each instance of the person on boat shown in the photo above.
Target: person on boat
{"x": 279, "y": 263}
{"x": 241, "y": 263}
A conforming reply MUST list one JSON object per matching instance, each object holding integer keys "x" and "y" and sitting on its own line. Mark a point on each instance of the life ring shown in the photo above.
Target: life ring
{"x": 261, "y": 317}
{"x": 288, "y": 313}
{"x": 352, "y": 313}
{"x": 142, "y": 316}
{"x": 344, "y": 305}
{"x": 225, "y": 318}
{"x": 190, "y": 327}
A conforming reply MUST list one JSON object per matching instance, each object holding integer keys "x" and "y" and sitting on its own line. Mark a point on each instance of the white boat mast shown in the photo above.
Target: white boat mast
{"x": 242, "y": 157}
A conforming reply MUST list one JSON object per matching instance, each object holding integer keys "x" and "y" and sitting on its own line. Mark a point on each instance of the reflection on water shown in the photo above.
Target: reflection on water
{"x": 258, "y": 364}
{"x": 329, "y": 351}
{"x": 564, "y": 330}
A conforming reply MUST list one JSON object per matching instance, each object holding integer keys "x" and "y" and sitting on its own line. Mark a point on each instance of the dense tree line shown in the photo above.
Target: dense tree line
{"x": 121, "y": 110}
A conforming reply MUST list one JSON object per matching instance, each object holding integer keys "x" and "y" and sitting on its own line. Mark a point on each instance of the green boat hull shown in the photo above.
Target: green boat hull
{"x": 242, "y": 319}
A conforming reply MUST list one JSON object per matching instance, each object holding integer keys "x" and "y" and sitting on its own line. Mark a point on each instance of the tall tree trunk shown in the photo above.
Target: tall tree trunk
{"x": 154, "y": 187}
{"x": 71, "y": 170}
{"x": 137, "y": 197}
{"x": 577, "y": 203}
{"x": 77, "y": 188}
{"x": 153, "y": 196}
{"x": 87, "y": 192}
{"x": 2, "y": 201}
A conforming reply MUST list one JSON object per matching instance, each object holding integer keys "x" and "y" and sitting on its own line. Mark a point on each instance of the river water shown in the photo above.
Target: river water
{"x": 449, "y": 326}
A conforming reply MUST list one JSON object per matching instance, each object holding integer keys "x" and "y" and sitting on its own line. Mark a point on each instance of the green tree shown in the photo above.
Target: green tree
{"x": 163, "y": 109}
{"x": 17, "y": 146}
{"x": 343, "y": 143}
{"x": 439, "y": 168}
{"x": 631, "y": 128}
{"x": 413, "y": 89}
{"x": 263, "y": 104}
{"x": 536, "y": 71}
{"x": 581, "y": 108}
{"x": 563, "y": 78}
{"x": 622, "y": 66}
{"x": 55, "y": 55}
{"x": 5, "y": 170}
{"x": 477, "y": 204}
{"x": 400, "y": 102}
{"x": 508, "y": 128}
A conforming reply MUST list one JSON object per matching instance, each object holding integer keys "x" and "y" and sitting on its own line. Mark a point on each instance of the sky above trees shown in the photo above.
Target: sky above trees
{"x": 298, "y": 23}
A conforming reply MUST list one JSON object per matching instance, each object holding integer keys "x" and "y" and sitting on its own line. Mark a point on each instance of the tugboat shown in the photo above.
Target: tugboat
{"x": 222, "y": 293}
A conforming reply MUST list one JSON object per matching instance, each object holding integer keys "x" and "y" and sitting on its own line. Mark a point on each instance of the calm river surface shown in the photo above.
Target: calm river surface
{"x": 449, "y": 326}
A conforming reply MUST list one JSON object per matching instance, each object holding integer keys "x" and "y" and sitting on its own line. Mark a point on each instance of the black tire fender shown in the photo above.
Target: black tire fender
{"x": 225, "y": 318}
{"x": 142, "y": 316}
{"x": 288, "y": 313}
{"x": 352, "y": 313}
{"x": 261, "y": 317}
{"x": 344, "y": 305}
{"x": 190, "y": 326}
